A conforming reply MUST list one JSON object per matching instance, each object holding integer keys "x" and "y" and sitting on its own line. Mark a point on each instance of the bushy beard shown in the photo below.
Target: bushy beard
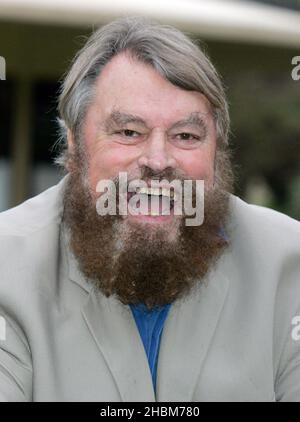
{"x": 138, "y": 263}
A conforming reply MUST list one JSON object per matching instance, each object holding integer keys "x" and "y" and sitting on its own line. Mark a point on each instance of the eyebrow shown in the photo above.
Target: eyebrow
{"x": 118, "y": 118}
{"x": 194, "y": 119}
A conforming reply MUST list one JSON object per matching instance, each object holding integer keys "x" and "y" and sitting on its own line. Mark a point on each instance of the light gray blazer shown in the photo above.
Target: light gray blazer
{"x": 229, "y": 341}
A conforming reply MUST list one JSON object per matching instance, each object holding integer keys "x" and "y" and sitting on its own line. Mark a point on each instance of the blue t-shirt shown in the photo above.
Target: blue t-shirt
{"x": 150, "y": 324}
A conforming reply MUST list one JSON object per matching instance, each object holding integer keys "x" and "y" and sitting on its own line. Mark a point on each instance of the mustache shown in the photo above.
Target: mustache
{"x": 146, "y": 173}
{"x": 168, "y": 174}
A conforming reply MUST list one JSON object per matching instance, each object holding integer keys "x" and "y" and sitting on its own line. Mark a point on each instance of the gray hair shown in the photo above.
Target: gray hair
{"x": 174, "y": 55}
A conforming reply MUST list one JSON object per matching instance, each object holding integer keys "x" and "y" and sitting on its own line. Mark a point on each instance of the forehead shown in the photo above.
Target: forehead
{"x": 138, "y": 89}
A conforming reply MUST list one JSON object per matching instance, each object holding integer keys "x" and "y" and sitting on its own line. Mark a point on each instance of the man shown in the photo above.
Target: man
{"x": 108, "y": 300}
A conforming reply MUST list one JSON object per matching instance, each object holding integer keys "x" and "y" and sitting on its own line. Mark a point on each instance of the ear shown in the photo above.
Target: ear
{"x": 70, "y": 142}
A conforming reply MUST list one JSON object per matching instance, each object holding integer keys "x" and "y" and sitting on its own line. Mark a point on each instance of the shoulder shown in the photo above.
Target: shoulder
{"x": 264, "y": 226}
{"x": 29, "y": 241}
{"x": 265, "y": 245}
{"x": 34, "y": 214}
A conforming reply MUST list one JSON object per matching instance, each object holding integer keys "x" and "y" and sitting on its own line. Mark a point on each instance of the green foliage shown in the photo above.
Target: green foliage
{"x": 265, "y": 113}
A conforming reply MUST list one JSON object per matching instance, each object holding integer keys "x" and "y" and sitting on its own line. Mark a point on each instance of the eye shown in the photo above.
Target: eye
{"x": 128, "y": 133}
{"x": 185, "y": 136}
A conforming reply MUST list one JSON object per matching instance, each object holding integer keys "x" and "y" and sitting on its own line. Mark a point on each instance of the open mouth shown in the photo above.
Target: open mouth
{"x": 149, "y": 201}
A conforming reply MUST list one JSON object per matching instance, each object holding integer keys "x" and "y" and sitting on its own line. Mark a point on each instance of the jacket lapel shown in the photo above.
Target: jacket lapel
{"x": 186, "y": 338}
{"x": 115, "y": 333}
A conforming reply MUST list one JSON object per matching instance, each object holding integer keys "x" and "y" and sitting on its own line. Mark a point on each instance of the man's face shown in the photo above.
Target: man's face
{"x": 140, "y": 119}
{"x": 141, "y": 124}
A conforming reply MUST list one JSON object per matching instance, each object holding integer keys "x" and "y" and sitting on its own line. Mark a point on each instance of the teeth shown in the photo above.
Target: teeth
{"x": 167, "y": 192}
{"x": 157, "y": 192}
{"x": 150, "y": 191}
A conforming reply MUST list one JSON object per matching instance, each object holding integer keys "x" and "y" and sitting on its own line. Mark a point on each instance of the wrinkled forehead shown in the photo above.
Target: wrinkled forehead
{"x": 140, "y": 90}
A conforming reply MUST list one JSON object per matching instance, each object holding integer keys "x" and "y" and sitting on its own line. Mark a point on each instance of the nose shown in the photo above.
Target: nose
{"x": 155, "y": 154}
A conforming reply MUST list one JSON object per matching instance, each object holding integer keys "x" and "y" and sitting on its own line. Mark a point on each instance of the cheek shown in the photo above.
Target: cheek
{"x": 107, "y": 163}
{"x": 198, "y": 165}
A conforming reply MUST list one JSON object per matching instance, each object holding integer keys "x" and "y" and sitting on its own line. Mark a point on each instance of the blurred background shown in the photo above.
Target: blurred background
{"x": 252, "y": 44}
